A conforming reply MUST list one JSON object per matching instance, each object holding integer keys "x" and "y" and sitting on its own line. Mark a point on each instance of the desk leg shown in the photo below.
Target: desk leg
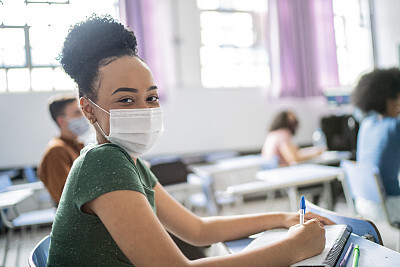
{"x": 328, "y": 194}
{"x": 293, "y": 195}
{"x": 239, "y": 203}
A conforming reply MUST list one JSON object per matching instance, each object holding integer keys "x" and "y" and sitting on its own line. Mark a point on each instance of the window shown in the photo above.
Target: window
{"x": 233, "y": 43}
{"x": 353, "y": 39}
{"x": 31, "y": 36}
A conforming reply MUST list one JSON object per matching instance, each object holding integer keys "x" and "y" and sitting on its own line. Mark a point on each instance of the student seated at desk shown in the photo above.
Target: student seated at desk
{"x": 113, "y": 211}
{"x": 377, "y": 95}
{"x": 61, "y": 151}
{"x": 279, "y": 141}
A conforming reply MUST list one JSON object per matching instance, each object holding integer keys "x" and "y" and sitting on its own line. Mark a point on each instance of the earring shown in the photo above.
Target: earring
{"x": 92, "y": 121}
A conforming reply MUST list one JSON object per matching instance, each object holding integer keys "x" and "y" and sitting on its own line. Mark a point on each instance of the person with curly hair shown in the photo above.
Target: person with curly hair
{"x": 113, "y": 211}
{"x": 377, "y": 95}
{"x": 279, "y": 141}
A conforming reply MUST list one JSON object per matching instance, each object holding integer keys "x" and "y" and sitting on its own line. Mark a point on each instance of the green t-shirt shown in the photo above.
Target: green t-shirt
{"x": 80, "y": 239}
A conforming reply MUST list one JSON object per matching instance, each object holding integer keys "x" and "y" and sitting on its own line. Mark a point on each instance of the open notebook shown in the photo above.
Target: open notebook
{"x": 336, "y": 237}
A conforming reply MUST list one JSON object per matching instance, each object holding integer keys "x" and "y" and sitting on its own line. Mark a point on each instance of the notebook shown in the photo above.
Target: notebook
{"x": 336, "y": 237}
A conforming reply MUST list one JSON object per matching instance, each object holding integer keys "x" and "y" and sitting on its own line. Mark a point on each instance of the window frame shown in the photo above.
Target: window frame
{"x": 259, "y": 43}
{"x": 58, "y": 83}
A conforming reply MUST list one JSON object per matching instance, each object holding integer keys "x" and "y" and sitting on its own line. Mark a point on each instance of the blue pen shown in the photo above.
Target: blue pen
{"x": 302, "y": 209}
{"x": 346, "y": 256}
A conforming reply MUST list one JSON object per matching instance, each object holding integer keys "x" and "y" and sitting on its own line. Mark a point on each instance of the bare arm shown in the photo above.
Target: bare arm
{"x": 293, "y": 154}
{"x": 208, "y": 230}
{"x": 135, "y": 228}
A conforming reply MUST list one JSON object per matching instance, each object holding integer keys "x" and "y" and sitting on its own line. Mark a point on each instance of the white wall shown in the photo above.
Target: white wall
{"x": 196, "y": 120}
{"x": 387, "y": 14}
{"x": 26, "y": 126}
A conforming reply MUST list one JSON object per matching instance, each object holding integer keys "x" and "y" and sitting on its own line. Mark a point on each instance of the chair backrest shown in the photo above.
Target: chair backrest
{"x": 363, "y": 181}
{"x": 361, "y": 227}
{"x": 40, "y": 253}
{"x": 5, "y": 181}
{"x": 30, "y": 174}
{"x": 170, "y": 172}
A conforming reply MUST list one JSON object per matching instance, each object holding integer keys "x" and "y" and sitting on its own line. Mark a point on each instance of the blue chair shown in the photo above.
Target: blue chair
{"x": 43, "y": 197}
{"x": 30, "y": 174}
{"x": 5, "y": 181}
{"x": 363, "y": 184}
{"x": 40, "y": 253}
{"x": 361, "y": 227}
{"x": 12, "y": 219}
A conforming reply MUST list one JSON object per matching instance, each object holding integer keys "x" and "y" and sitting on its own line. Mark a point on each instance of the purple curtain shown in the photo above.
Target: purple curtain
{"x": 140, "y": 16}
{"x": 307, "y": 49}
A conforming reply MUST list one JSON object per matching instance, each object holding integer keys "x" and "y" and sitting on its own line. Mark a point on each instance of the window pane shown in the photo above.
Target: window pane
{"x": 18, "y": 80}
{"x": 353, "y": 39}
{"x": 220, "y": 28}
{"x": 3, "y": 82}
{"x": 233, "y": 52}
{"x": 62, "y": 81}
{"x": 252, "y": 5}
{"x": 38, "y": 14}
{"x": 248, "y": 5}
{"x": 13, "y": 12}
{"x": 48, "y": 26}
{"x": 340, "y": 36}
{"x": 14, "y": 57}
{"x": 42, "y": 79}
{"x": 225, "y": 67}
{"x": 12, "y": 53}
{"x": 343, "y": 65}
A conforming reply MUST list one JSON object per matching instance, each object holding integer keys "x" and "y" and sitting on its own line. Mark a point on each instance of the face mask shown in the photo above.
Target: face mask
{"x": 135, "y": 130}
{"x": 78, "y": 126}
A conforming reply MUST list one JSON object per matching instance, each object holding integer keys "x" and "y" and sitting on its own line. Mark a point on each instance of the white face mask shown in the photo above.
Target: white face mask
{"x": 78, "y": 126}
{"x": 135, "y": 130}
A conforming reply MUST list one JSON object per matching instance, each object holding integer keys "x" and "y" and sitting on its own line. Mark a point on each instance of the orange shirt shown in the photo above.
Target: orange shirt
{"x": 56, "y": 163}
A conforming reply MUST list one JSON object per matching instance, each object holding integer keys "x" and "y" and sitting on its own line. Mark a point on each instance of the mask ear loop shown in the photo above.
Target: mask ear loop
{"x": 99, "y": 106}
{"x": 98, "y": 125}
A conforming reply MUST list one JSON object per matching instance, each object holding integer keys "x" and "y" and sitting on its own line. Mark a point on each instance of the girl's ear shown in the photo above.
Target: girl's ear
{"x": 87, "y": 109}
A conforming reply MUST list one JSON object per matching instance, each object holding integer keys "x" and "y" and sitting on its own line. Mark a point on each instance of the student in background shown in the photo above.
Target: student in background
{"x": 62, "y": 150}
{"x": 113, "y": 211}
{"x": 279, "y": 141}
{"x": 377, "y": 95}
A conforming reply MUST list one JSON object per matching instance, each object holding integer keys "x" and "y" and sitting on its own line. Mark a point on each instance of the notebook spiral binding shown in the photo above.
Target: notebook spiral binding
{"x": 334, "y": 253}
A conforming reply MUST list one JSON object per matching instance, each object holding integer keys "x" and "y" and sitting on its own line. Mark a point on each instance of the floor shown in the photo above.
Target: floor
{"x": 31, "y": 238}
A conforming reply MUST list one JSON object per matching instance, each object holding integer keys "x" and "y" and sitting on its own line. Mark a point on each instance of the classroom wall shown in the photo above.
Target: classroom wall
{"x": 196, "y": 120}
{"x": 387, "y": 32}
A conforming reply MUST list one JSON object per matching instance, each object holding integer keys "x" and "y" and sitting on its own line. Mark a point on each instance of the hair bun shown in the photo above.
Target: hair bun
{"x": 90, "y": 42}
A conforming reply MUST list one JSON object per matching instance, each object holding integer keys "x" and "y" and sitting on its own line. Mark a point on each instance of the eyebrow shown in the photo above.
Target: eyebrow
{"x": 134, "y": 90}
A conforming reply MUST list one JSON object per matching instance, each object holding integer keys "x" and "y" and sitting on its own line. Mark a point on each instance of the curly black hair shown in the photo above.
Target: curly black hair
{"x": 92, "y": 44}
{"x": 375, "y": 88}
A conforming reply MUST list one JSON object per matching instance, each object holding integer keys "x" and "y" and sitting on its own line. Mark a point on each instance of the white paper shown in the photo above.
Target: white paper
{"x": 332, "y": 232}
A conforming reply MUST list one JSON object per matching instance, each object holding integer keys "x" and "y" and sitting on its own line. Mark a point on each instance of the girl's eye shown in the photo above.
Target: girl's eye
{"x": 152, "y": 98}
{"x": 127, "y": 100}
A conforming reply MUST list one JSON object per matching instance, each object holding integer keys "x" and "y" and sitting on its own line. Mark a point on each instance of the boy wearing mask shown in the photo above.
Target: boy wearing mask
{"x": 61, "y": 151}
